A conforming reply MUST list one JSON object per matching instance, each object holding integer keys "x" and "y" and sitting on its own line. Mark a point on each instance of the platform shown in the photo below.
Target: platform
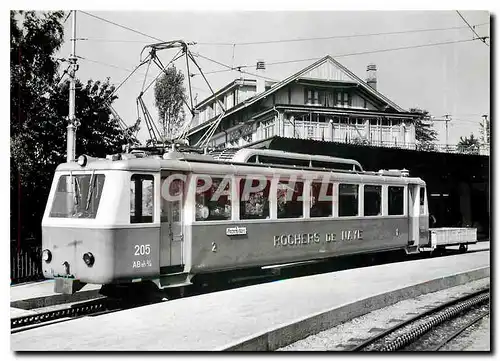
{"x": 223, "y": 319}
{"x": 41, "y": 294}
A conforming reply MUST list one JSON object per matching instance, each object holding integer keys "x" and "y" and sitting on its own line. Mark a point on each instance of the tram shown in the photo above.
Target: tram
{"x": 169, "y": 216}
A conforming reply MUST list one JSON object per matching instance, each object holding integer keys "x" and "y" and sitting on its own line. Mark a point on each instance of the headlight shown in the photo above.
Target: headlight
{"x": 82, "y": 160}
{"x": 46, "y": 255}
{"x": 88, "y": 258}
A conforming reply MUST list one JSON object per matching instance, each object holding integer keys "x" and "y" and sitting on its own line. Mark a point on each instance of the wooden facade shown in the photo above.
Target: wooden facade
{"x": 324, "y": 101}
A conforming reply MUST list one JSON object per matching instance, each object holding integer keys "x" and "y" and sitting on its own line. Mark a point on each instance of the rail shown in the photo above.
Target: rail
{"x": 23, "y": 323}
{"x": 410, "y": 330}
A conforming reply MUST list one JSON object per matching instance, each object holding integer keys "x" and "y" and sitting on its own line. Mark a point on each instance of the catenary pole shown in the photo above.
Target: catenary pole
{"x": 71, "y": 134}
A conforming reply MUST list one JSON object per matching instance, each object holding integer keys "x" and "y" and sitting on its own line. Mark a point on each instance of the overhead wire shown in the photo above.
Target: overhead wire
{"x": 368, "y": 52}
{"x": 334, "y": 36}
{"x": 122, "y": 26}
{"x": 285, "y": 40}
{"x": 230, "y": 68}
{"x": 483, "y": 39}
{"x": 238, "y": 68}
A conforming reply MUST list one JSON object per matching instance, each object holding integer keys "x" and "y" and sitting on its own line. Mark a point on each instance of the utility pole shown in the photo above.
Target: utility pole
{"x": 485, "y": 133}
{"x": 447, "y": 119}
{"x": 71, "y": 135}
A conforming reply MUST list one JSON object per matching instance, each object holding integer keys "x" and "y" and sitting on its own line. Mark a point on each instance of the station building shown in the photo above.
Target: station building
{"x": 327, "y": 109}
{"x": 324, "y": 101}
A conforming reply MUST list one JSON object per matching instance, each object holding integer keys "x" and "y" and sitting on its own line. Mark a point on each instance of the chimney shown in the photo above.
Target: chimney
{"x": 261, "y": 71}
{"x": 371, "y": 76}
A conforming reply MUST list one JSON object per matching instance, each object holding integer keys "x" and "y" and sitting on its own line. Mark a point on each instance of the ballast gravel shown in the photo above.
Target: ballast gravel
{"x": 350, "y": 333}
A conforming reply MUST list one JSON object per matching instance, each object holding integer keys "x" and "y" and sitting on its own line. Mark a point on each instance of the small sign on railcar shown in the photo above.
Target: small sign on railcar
{"x": 236, "y": 231}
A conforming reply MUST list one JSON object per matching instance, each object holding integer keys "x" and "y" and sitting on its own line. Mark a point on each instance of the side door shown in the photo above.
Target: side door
{"x": 413, "y": 214}
{"x": 171, "y": 220}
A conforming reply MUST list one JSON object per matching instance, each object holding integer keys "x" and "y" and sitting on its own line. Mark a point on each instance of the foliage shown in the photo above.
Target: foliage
{"x": 468, "y": 145}
{"x": 169, "y": 100}
{"x": 426, "y": 147}
{"x": 360, "y": 141}
{"x": 424, "y": 132}
{"x": 39, "y": 110}
{"x": 485, "y": 131}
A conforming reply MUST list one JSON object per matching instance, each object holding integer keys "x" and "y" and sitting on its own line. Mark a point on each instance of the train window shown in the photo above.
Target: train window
{"x": 395, "y": 203}
{"x": 284, "y": 161}
{"x": 422, "y": 200}
{"x": 141, "y": 198}
{"x": 290, "y": 202}
{"x": 348, "y": 200}
{"x": 321, "y": 199}
{"x": 254, "y": 198}
{"x": 77, "y": 196}
{"x": 332, "y": 165}
{"x": 373, "y": 200}
{"x": 171, "y": 199}
{"x": 213, "y": 199}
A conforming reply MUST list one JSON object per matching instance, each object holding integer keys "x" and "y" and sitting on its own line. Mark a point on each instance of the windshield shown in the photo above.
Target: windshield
{"x": 77, "y": 196}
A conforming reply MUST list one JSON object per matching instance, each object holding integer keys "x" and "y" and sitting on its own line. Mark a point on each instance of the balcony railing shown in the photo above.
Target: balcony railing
{"x": 349, "y": 134}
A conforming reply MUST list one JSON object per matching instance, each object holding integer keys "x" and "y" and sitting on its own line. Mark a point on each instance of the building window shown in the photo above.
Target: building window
{"x": 141, "y": 198}
{"x": 348, "y": 200}
{"x": 310, "y": 131}
{"x": 254, "y": 198}
{"x": 290, "y": 201}
{"x": 373, "y": 200}
{"x": 321, "y": 199}
{"x": 213, "y": 200}
{"x": 395, "y": 202}
{"x": 343, "y": 98}
{"x": 312, "y": 97}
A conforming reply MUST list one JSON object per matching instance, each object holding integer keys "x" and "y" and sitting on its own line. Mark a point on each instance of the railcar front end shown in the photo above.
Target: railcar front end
{"x": 88, "y": 233}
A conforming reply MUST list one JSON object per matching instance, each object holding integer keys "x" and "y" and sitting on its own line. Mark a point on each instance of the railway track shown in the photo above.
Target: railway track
{"x": 88, "y": 308}
{"x": 433, "y": 329}
{"x": 105, "y": 305}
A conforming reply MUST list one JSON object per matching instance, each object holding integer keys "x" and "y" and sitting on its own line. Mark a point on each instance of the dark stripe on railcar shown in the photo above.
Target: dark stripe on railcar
{"x": 273, "y": 242}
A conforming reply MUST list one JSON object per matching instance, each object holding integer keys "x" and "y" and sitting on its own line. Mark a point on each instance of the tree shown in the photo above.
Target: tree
{"x": 468, "y": 145}
{"x": 485, "y": 132}
{"x": 424, "y": 132}
{"x": 39, "y": 110}
{"x": 169, "y": 100}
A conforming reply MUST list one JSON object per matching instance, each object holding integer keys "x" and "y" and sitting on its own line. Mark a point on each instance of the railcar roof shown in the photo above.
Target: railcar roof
{"x": 205, "y": 164}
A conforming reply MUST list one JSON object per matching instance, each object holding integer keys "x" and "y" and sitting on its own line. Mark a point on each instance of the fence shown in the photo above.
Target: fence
{"x": 353, "y": 134}
{"x": 25, "y": 265}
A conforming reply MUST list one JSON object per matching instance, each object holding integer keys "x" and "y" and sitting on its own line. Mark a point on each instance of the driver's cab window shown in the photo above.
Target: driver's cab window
{"x": 141, "y": 198}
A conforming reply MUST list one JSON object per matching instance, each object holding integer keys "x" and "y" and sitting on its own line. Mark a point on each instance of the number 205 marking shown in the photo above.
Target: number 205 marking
{"x": 141, "y": 250}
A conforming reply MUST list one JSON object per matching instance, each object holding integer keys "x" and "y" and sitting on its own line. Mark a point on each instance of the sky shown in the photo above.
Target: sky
{"x": 449, "y": 79}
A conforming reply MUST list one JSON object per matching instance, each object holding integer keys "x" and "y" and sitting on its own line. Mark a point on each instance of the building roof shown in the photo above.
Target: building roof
{"x": 224, "y": 89}
{"x": 327, "y": 59}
